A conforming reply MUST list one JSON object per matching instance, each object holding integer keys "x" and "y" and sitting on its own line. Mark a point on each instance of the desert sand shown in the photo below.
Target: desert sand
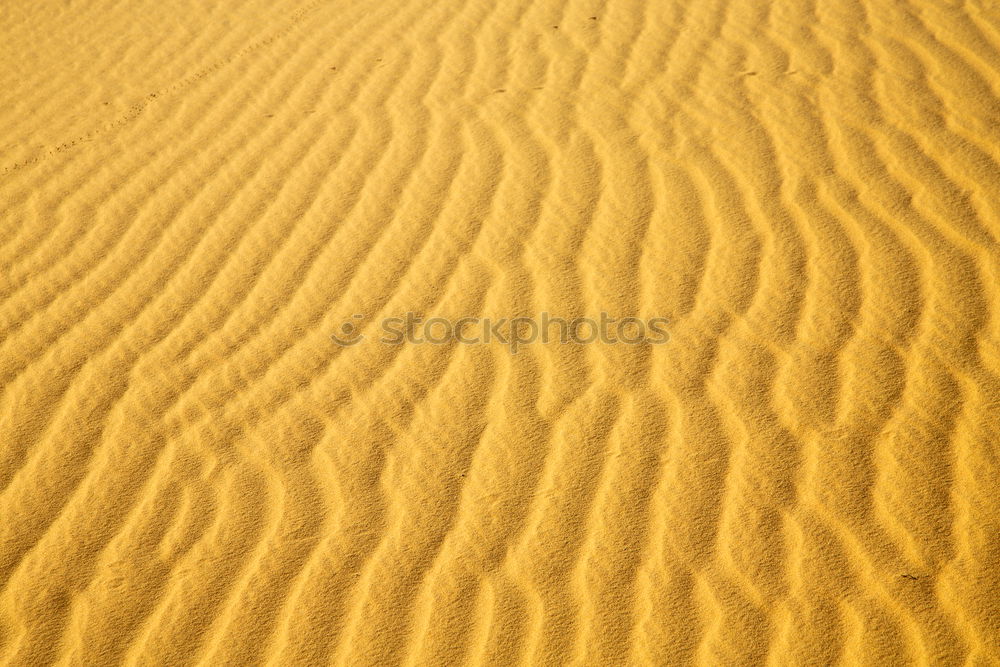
{"x": 194, "y": 196}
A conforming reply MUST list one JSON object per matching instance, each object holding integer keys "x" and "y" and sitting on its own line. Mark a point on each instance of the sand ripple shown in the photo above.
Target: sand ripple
{"x": 194, "y": 195}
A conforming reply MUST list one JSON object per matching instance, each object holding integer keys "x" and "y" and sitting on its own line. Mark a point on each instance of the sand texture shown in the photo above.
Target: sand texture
{"x": 195, "y": 194}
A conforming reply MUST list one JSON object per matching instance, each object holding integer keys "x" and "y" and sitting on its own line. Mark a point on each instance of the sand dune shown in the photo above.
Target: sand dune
{"x": 196, "y": 195}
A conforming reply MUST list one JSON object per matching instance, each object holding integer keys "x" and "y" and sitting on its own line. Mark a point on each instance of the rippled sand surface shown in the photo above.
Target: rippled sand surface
{"x": 194, "y": 195}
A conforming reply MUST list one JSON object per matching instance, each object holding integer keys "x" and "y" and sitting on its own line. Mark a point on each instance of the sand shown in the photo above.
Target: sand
{"x": 196, "y": 195}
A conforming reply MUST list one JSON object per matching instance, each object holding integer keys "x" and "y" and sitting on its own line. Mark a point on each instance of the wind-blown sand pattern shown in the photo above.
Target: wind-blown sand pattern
{"x": 195, "y": 195}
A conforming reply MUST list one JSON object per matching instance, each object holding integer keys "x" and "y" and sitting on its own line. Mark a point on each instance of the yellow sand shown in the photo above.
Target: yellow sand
{"x": 195, "y": 194}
